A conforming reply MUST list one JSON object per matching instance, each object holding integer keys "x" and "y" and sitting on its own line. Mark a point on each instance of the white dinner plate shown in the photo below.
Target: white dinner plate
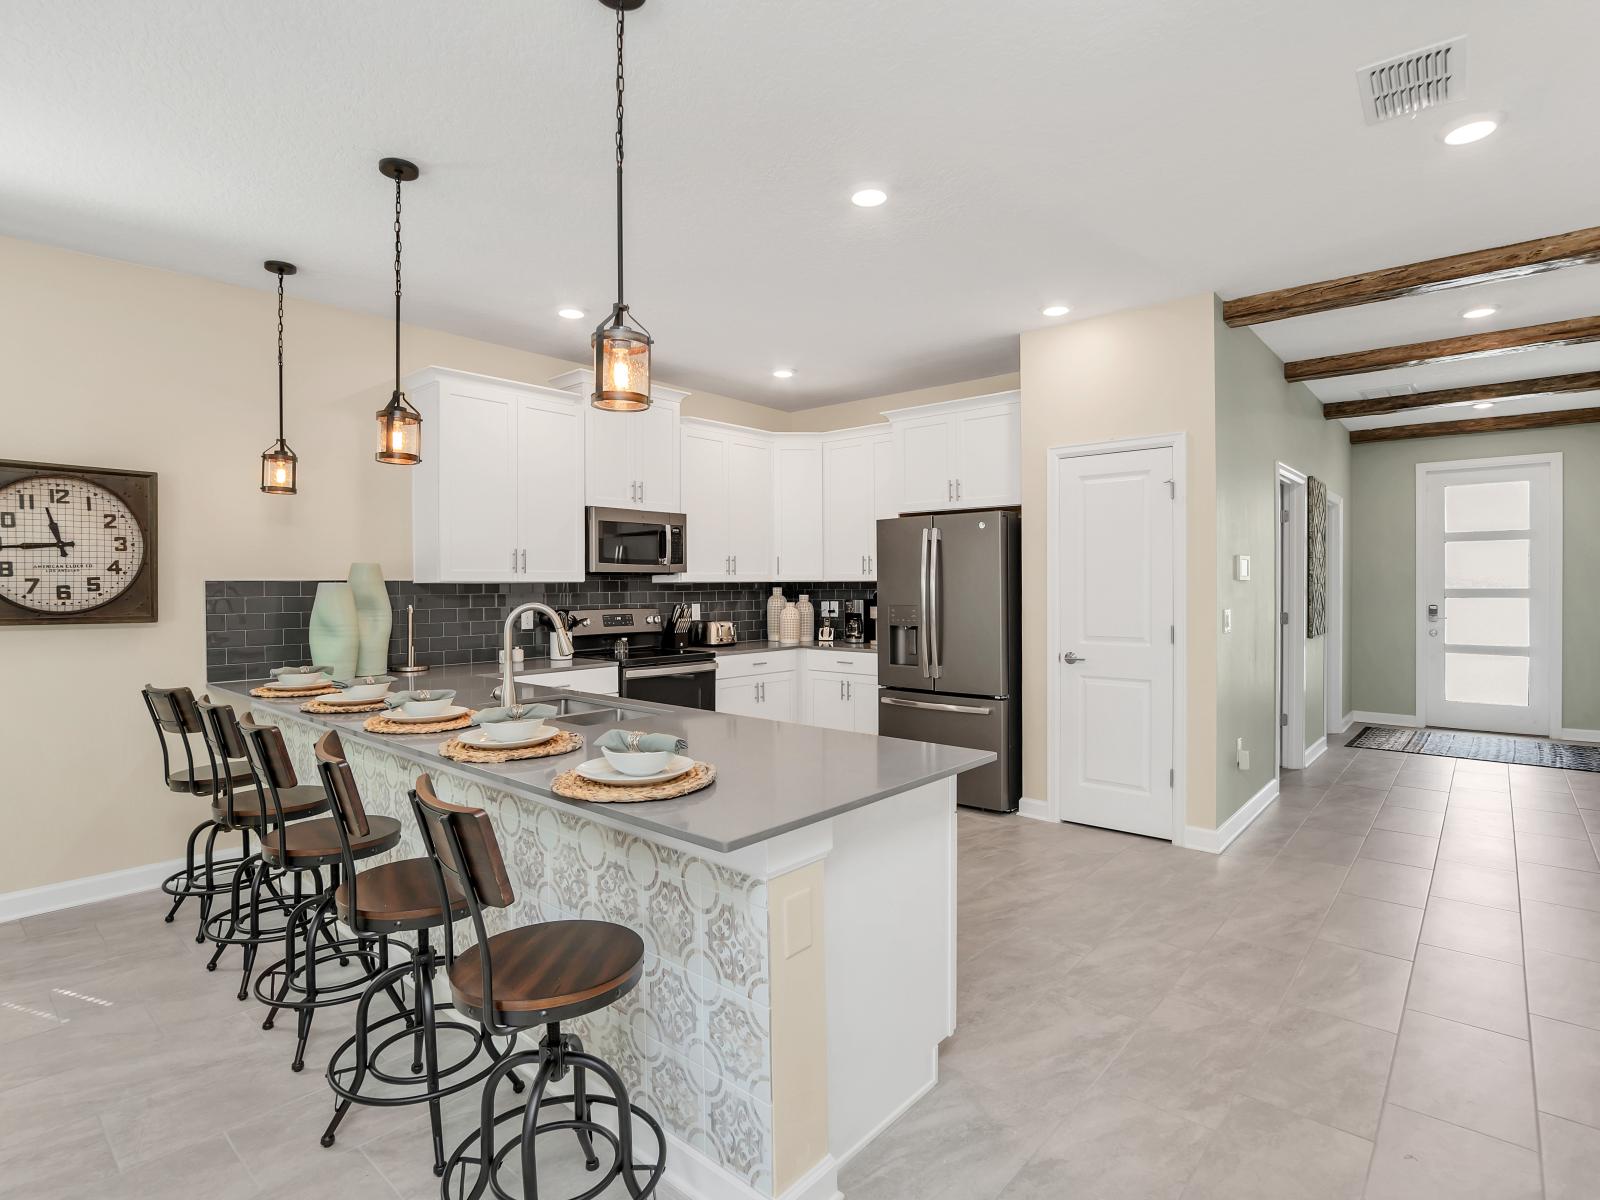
{"x": 480, "y": 739}
{"x": 340, "y": 701}
{"x": 598, "y": 770}
{"x": 293, "y": 687}
{"x": 449, "y": 714}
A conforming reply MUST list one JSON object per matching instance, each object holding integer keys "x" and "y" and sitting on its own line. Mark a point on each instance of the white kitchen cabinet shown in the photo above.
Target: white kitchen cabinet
{"x": 497, "y": 495}
{"x": 601, "y": 681}
{"x": 960, "y": 454}
{"x": 857, "y": 486}
{"x": 704, "y": 455}
{"x": 797, "y": 509}
{"x": 888, "y": 486}
{"x": 631, "y": 459}
{"x": 842, "y": 701}
{"x": 770, "y": 696}
{"x": 727, "y": 502}
{"x": 749, "y": 501}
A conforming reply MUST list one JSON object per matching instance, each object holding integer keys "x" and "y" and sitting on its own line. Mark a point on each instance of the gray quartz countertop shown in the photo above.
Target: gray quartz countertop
{"x": 772, "y": 776}
{"x": 762, "y": 647}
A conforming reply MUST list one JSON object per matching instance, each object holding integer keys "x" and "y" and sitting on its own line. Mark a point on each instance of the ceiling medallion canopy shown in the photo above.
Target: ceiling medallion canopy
{"x": 399, "y": 424}
{"x": 278, "y": 462}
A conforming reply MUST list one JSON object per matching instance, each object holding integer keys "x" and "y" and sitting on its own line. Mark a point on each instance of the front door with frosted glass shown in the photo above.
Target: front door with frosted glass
{"x": 1488, "y": 542}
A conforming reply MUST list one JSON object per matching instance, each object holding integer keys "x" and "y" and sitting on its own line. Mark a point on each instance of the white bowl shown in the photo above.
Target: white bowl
{"x": 513, "y": 731}
{"x": 631, "y": 762}
{"x": 431, "y": 707}
{"x": 301, "y": 679}
{"x": 366, "y": 691}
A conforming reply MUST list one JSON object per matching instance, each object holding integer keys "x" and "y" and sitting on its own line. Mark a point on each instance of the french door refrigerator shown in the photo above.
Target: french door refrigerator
{"x": 950, "y": 642}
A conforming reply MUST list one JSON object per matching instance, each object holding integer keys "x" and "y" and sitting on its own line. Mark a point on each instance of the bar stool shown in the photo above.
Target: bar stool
{"x": 518, "y": 980}
{"x": 293, "y": 981}
{"x": 252, "y": 810}
{"x": 176, "y": 720}
{"x": 393, "y": 898}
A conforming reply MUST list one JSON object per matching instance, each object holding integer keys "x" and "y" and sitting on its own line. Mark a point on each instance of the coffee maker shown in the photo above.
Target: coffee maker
{"x": 854, "y": 623}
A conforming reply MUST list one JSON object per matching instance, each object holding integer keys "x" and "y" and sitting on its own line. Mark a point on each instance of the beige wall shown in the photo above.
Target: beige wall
{"x": 1143, "y": 372}
{"x": 869, "y": 411}
{"x": 115, "y": 365}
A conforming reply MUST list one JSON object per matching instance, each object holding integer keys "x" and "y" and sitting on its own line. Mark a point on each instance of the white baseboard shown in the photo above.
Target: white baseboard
{"x": 1344, "y": 723}
{"x": 1567, "y": 735}
{"x": 1316, "y": 750}
{"x": 1039, "y": 810}
{"x": 1215, "y": 841}
{"x": 70, "y": 893}
{"x": 1405, "y": 720}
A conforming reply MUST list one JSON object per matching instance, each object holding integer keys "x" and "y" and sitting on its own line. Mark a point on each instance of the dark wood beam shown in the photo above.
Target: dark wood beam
{"x": 1472, "y": 345}
{"x": 1415, "y": 279}
{"x": 1549, "y": 385}
{"x": 1540, "y": 420}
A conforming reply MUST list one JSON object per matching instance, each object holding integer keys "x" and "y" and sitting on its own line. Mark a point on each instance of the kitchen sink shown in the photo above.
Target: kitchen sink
{"x": 572, "y": 711}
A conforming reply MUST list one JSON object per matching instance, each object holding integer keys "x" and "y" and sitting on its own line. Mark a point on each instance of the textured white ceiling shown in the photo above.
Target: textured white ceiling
{"x": 1107, "y": 153}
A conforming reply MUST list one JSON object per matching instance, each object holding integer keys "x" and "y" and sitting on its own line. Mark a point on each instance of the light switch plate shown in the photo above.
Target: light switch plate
{"x": 527, "y": 620}
{"x": 1227, "y": 620}
{"x": 1241, "y": 755}
{"x": 1241, "y": 567}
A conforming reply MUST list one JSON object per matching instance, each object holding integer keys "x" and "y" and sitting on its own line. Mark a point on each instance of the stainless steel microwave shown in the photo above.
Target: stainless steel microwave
{"x": 634, "y": 542}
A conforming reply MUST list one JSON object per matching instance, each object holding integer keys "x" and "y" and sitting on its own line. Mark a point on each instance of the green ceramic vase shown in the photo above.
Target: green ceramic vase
{"x": 374, "y": 618}
{"x": 333, "y": 633}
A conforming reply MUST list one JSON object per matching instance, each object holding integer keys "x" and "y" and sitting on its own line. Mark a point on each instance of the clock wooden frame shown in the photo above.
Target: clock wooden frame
{"x": 138, "y": 602}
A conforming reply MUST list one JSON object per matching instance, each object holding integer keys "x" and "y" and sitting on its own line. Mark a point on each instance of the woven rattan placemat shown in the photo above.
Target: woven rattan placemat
{"x": 564, "y": 742}
{"x": 321, "y": 689}
{"x": 323, "y": 708}
{"x": 378, "y": 723}
{"x": 575, "y": 787}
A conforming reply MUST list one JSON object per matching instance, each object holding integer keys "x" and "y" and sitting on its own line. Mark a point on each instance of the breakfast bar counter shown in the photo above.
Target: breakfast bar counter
{"x": 798, "y": 915}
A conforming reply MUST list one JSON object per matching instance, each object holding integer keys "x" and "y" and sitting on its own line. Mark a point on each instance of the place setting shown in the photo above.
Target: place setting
{"x": 635, "y": 767}
{"x": 509, "y": 734}
{"x": 362, "y": 694}
{"x": 294, "y": 683}
{"x": 420, "y": 711}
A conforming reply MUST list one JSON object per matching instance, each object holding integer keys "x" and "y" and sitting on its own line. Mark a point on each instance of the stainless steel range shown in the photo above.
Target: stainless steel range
{"x": 649, "y": 667}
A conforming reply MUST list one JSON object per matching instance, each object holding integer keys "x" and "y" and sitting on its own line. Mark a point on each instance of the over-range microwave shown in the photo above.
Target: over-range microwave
{"x": 631, "y": 541}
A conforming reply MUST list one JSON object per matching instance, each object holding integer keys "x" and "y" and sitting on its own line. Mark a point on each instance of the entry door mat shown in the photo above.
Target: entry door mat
{"x": 1490, "y": 747}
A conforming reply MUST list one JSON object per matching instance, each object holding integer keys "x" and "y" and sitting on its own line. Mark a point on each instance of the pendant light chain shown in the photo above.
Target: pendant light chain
{"x": 397, "y": 284}
{"x": 280, "y": 356}
{"x": 620, "y": 85}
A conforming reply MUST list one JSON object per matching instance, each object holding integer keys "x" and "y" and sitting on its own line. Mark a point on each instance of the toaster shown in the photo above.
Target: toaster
{"x": 720, "y": 633}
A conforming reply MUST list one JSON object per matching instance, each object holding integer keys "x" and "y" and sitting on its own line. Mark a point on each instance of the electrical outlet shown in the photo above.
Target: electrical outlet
{"x": 1241, "y": 755}
{"x": 527, "y": 620}
{"x": 1227, "y": 620}
{"x": 1241, "y": 567}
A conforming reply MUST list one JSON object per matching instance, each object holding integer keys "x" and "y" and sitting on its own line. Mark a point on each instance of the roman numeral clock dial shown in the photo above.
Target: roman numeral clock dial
{"x": 67, "y": 545}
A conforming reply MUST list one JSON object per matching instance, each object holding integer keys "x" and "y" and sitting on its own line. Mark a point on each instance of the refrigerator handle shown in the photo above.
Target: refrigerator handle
{"x": 972, "y": 709}
{"x": 927, "y": 631}
{"x": 935, "y": 584}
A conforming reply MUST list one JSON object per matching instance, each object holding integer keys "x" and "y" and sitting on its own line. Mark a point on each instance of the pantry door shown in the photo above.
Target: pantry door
{"x": 1489, "y": 594}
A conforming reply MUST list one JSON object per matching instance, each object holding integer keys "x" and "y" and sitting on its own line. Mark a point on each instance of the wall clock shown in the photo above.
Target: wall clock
{"x": 77, "y": 544}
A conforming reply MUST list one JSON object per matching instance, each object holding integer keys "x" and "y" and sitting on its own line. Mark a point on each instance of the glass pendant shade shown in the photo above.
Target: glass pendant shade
{"x": 399, "y": 433}
{"x": 621, "y": 368}
{"x": 278, "y": 469}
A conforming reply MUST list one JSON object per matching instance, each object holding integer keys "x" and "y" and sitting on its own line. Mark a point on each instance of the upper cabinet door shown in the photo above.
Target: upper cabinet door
{"x": 887, "y": 484}
{"x": 653, "y": 445}
{"x": 476, "y": 444}
{"x": 609, "y": 479}
{"x": 550, "y": 488}
{"x": 705, "y": 508}
{"x": 927, "y": 474}
{"x": 988, "y": 451}
{"x": 797, "y": 511}
{"x": 749, "y": 506}
{"x": 849, "y": 527}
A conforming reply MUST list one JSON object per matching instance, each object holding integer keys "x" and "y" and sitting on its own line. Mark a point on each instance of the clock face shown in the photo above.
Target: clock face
{"x": 66, "y": 545}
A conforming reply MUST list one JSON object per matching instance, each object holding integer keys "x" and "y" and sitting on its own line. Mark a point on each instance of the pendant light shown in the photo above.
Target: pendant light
{"x": 621, "y": 347}
{"x": 278, "y": 462}
{"x": 399, "y": 425}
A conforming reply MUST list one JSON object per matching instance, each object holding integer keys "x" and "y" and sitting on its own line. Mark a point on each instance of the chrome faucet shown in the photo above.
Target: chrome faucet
{"x": 560, "y": 643}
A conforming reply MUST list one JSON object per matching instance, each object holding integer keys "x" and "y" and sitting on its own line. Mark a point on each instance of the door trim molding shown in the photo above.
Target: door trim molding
{"x": 1291, "y": 689}
{"x": 1178, "y": 443}
{"x": 1333, "y": 640}
{"x": 1558, "y": 556}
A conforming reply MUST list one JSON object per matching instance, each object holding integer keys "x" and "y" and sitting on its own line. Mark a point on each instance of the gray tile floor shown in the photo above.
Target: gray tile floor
{"x": 1389, "y": 986}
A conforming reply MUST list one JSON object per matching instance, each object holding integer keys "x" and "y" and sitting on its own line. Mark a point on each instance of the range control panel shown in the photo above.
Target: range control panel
{"x": 587, "y": 622}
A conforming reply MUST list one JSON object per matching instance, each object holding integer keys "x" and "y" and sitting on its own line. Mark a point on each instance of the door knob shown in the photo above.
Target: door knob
{"x": 1069, "y": 658}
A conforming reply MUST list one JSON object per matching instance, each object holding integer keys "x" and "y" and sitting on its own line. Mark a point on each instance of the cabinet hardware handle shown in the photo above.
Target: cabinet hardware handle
{"x": 949, "y": 489}
{"x": 869, "y": 564}
{"x": 735, "y": 564}
{"x": 513, "y": 559}
{"x": 841, "y": 689}
{"x": 849, "y": 690}
{"x": 762, "y": 663}
{"x": 779, "y": 569}
{"x": 958, "y": 489}
{"x": 641, "y": 491}
{"x": 524, "y": 562}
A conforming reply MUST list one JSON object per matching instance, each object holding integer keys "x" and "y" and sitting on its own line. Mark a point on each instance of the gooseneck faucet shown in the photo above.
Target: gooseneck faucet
{"x": 560, "y": 642}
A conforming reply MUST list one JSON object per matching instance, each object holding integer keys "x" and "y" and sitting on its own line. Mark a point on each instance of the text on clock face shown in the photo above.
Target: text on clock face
{"x": 66, "y": 545}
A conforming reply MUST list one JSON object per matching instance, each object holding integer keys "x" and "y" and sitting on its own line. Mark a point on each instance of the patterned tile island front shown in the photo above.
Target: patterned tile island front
{"x": 795, "y": 989}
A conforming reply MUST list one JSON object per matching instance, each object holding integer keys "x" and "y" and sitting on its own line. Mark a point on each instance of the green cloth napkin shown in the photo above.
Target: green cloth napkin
{"x": 526, "y": 712}
{"x": 649, "y": 743}
{"x": 276, "y": 671}
{"x": 396, "y": 699}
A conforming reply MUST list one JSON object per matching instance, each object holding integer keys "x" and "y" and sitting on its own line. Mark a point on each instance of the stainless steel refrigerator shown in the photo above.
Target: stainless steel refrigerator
{"x": 950, "y": 642}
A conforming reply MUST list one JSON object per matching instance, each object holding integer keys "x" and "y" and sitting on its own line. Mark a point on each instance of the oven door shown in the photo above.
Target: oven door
{"x": 628, "y": 541}
{"x": 691, "y": 685}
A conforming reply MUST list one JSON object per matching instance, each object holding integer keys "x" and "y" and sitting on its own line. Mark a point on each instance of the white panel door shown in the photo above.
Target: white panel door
{"x": 988, "y": 453}
{"x": 705, "y": 502}
{"x": 1486, "y": 641}
{"x": 850, "y": 532}
{"x": 653, "y": 448}
{"x": 797, "y": 511}
{"x": 1115, "y": 661}
{"x": 477, "y": 483}
{"x": 828, "y": 702}
{"x": 609, "y": 479}
{"x": 748, "y": 501}
{"x": 927, "y": 474}
{"x": 550, "y": 489}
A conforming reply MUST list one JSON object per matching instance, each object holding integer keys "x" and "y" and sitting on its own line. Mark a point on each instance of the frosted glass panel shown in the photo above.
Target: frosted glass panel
{"x": 1486, "y": 620}
{"x": 1475, "y": 507}
{"x": 1496, "y": 564}
{"x": 1486, "y": 679}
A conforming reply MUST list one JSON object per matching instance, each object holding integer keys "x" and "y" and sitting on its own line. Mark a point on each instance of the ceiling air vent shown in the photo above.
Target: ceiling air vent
{"x": 1422, "y": 79}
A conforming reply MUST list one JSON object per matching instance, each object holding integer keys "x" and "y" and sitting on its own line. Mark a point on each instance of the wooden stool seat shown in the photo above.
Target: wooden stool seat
{"x": 200, "y": 780}
{"x": 315, "y": 843}
{"x": 249, "y": 809}
{"x": 552, "y": 971}
{"x": 398, "y": 895}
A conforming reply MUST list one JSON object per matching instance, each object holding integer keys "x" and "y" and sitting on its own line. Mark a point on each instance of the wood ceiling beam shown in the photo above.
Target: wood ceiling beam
{"x": 1549, "y": 385}
{"x": 1542, "y": 420}
{"x": 1472, "y": 345}
{"x": 1414, "y": 279}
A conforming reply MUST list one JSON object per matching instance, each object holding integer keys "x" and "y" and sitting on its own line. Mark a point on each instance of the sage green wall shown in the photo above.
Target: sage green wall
{"x": 1261, "y": 421}
{"x": 1382, "y": 538}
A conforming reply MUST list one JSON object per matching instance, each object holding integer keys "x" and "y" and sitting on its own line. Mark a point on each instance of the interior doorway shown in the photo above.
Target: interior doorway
{"x": 1291, "y": 614}
{"x": 1333, "y": 710}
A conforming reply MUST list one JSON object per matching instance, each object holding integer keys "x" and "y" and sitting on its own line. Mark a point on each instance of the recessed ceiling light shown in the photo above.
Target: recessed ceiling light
{"x": 1479, "y": 313}
{"x": 869, "y": 197}
{"x": 571, "y": 314}
{"x": 1483, "y": 404}
{"x": 783, "y": 372}
{"x": 1471, "y": 131}
{"x": 1055, "y": 310}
